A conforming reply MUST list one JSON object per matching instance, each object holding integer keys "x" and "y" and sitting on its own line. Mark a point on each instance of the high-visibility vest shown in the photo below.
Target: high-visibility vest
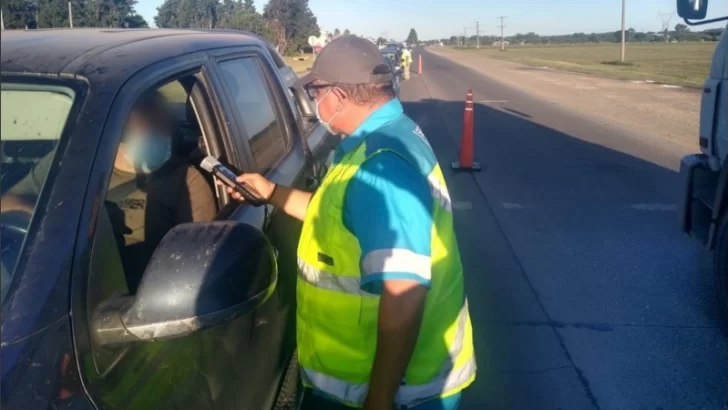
{"x": 337, "y": 320}
{"x": 406, "y": 57}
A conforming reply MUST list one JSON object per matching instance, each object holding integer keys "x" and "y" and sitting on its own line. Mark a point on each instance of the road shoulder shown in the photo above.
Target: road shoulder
{"x": 667, "y": 113}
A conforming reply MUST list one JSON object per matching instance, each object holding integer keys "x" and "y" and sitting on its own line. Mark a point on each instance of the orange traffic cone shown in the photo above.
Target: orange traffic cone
{"x": 466, "y": 162}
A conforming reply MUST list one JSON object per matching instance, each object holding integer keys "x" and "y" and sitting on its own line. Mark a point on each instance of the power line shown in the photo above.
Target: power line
{"x": 665, "y": 17}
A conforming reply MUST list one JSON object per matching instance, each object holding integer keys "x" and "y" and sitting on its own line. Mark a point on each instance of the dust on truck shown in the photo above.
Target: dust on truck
{"x": 703, "y": 210}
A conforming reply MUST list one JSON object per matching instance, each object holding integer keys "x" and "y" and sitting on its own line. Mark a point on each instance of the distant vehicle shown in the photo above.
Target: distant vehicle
{"x": 212, "y": 324}
{"x": 703, "y": 208}
{"x": 393, "y": 59}
{"x": 394, "y": 46}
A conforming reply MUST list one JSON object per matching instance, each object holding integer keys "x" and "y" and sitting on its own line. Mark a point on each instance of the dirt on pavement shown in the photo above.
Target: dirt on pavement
{"x": 663, "y": 111}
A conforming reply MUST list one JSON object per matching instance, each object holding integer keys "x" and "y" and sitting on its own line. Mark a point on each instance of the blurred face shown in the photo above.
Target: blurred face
{"x": 147, "y": 143}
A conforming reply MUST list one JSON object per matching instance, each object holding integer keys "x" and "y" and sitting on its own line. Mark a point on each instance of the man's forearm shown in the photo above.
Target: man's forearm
{"x": 400, "y": 317}
{"x": 292, "y": 201}
{"x": 11, "y": 202}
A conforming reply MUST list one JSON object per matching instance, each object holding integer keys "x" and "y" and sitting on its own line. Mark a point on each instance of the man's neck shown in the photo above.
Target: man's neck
{"x": 362, "y": 112}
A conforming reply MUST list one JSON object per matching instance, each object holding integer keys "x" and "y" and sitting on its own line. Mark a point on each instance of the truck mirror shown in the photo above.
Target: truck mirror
{"x": 692, "y": 9}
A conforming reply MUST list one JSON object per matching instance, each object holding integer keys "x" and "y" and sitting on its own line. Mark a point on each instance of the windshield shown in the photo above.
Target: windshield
{"x": 32, "y": 119}
{"x": 390, "y": 56}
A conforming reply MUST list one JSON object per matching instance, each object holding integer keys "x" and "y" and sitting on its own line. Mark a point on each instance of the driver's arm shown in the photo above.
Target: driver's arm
{"x": 22, "y": 196}
{"x": 11, "y": 202}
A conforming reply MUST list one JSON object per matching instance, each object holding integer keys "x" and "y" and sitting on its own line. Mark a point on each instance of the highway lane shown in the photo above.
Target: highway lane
{"x": 583, "y": 292}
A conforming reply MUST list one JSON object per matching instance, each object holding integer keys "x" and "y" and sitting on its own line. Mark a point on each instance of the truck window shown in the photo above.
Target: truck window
{"x": 247, "y": 86}
{"x": 33, "y": 120}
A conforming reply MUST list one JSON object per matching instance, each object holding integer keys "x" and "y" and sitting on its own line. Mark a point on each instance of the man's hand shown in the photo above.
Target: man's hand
{"x": 258, "y": 182}
{"x": 400, "y": 314}
{"x": 289, "y": 200}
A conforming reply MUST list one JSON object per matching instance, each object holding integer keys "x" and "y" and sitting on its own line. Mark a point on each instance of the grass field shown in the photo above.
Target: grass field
{"x": 300, "y": 66}
{"x": 685, "y": 64}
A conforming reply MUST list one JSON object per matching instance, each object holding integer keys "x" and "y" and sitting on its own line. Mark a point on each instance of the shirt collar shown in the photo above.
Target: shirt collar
{"x": 388, "y": 112}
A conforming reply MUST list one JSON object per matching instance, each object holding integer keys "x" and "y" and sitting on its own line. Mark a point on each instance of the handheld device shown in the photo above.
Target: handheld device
{"x": 224, "y": 174}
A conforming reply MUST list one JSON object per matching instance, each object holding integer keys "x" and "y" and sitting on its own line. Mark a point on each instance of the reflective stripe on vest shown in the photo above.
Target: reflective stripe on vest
{"x": 408, "y": 395}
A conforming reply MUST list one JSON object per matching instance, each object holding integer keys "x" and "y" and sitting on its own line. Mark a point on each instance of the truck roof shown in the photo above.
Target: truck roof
{"x": 102, "y": 53}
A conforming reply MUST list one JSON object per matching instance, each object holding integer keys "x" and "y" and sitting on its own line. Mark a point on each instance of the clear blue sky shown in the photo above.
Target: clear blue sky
{"x": 443, "y": 18}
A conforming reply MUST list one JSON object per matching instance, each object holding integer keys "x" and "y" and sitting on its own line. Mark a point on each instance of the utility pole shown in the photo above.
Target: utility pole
{"x": 477, "y": 34}
{"x": 503, "y": 44}
{"x": 70, "y": 14}
{"x": 465, "y": 36}
{"x": 624, "y": 2}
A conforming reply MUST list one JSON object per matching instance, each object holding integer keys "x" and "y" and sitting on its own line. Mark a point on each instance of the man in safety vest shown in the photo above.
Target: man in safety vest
{"x": 382, "y": 319}
{"x": 406, "y": 62}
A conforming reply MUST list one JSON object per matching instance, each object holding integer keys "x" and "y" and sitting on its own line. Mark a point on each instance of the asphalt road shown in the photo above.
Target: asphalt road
{"x": 582, "y": 290}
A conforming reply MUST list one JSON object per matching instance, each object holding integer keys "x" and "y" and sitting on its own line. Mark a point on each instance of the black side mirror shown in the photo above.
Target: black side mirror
{"x": 201, "y": 275}
{"x": 692, "y": 9}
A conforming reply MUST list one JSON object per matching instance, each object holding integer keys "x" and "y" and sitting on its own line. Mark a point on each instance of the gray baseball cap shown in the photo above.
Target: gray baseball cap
{"x": 350, "y": 60}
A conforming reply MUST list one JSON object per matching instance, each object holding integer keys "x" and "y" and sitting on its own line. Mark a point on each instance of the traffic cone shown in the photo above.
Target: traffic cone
{"x": 419, "y": 64}
{"x": 466, "y": 162}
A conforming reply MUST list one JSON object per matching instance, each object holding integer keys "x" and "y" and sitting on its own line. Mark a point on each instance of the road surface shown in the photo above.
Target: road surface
{"x": 582, "y": 290}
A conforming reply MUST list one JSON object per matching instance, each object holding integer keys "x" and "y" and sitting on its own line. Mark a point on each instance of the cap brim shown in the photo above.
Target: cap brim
{"x": 305, "y": 79}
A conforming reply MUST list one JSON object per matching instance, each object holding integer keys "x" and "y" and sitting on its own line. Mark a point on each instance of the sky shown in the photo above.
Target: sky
{"x": 442, "y": 18}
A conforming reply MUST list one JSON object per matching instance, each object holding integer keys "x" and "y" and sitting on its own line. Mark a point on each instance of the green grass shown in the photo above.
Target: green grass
{"x": 685, "y": 64}
{"x": 300, "y": 66}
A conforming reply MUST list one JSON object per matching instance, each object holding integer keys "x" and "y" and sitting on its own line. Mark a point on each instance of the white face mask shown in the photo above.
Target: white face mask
{"x": 326, "y": 124}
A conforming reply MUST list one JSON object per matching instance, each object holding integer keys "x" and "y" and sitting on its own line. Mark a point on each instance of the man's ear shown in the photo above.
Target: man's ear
{"x": 342, "y": 98}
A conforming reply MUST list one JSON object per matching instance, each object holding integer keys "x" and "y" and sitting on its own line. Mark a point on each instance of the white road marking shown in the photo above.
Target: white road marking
{"x": 462, "y": 205}
{"x": 637, "y": 82}
{"x": 512, "y": 205}
{"x": 654, "y": 207}
{"x": 669, "y": 86}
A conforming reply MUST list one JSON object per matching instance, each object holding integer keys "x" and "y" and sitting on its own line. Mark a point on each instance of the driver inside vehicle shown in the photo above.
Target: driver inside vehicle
{"x": 151, "y": 190}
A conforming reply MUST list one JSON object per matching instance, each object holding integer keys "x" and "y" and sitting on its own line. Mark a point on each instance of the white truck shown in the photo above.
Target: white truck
{"x": 703, "y": 210}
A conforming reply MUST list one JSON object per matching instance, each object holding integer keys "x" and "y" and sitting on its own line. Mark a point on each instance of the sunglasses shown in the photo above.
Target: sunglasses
{"x": 312, "y": 88}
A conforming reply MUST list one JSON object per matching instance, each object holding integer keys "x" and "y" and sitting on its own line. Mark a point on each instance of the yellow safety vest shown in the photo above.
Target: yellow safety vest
{"x": 337, "y": 321}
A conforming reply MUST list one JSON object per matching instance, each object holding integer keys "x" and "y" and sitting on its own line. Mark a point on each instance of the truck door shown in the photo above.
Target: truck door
{"x": 261, "y": 133}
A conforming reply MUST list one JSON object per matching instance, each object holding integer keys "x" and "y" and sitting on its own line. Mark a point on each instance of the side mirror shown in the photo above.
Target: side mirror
{"x": 201, "y": 275}
{"x": 692, "y": 9}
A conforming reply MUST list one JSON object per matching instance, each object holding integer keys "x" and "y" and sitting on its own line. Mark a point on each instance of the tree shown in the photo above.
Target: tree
{"x": 248, "y": 5}
{"x": 682, "y": 32}
{"x": 412, "y": 37}
{"x": 243, "y": 19}
{"x": 381, "y": 41}
{"x": 295, "y": 23}
{"x": 192, "y": 13}
{"x": 347, "y": 32}
{"x": 18, "y": 14}
{"x": 337, "y": 33}
{"x": 453, "y": 41}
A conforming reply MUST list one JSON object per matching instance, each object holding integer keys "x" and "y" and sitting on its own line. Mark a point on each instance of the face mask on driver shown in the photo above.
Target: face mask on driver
{"x": 326, "y": 124}
{"x": 147, "y": 153}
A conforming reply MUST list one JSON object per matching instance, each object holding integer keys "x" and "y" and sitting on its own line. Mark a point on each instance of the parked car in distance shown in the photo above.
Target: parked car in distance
{"x": 212, "y": 323}
{"x": 394, "y": 61}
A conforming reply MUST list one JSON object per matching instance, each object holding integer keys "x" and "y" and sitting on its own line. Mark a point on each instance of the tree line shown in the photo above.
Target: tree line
{"x": 21, "y": 14}
{"x": 286, "y": 23}
{"x": 681, "y": 32}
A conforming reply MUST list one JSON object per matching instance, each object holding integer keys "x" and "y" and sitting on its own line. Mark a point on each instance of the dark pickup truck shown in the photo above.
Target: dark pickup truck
{"x": 212, "y": 323}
